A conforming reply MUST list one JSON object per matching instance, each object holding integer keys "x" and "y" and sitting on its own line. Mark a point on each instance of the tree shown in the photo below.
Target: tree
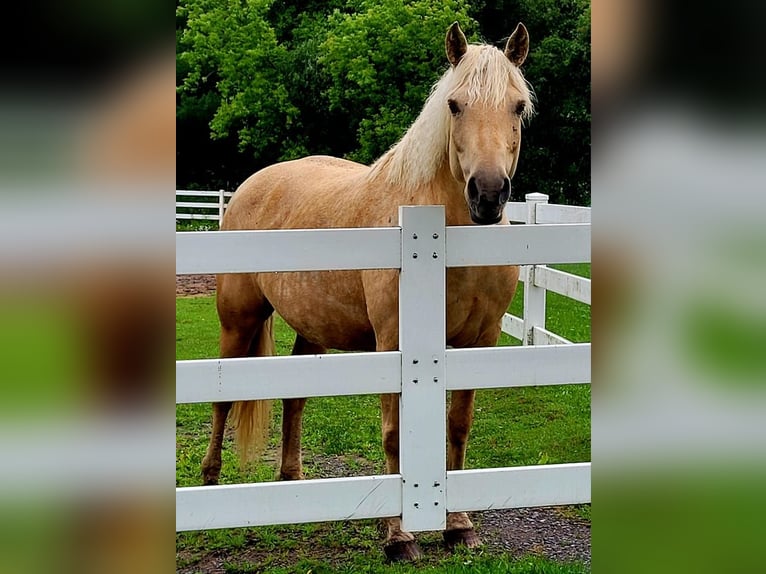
{"x": 272, "y": 80}
{"x": 228, "y": 56}
{"x": 382, "y": 61}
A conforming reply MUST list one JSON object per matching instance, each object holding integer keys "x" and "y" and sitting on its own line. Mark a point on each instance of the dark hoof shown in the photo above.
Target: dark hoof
{"x": 291, "y": 476}
{"x": 403, "y": 551}
{"x": 465, "y": 536}
{"x": 210, "y": 472}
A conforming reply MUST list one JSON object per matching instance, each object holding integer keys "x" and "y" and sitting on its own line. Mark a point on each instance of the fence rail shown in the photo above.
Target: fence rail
{"x": 545, "y": 359}
{"x": 202, "y": 209}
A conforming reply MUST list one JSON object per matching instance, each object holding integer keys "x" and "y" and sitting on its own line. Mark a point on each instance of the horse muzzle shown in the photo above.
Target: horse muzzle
{"x": 487, "y": 197}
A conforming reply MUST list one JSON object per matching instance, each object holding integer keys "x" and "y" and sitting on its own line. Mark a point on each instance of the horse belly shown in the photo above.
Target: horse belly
{"x": 324, "y": 307}
{"x": 477, "y": 299}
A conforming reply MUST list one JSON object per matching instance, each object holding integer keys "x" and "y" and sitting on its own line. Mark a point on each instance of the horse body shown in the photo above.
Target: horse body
{"x": 333, "y": 309}
{"x": 460, "y": 153}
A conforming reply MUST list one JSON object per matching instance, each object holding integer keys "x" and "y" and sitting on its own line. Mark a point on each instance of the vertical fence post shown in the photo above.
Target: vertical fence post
{"x": 534, "y": 297}
{"x": 422, "y": 341}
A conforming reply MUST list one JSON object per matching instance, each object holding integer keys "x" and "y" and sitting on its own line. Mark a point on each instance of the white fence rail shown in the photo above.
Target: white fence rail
{"x": 209, "y": 205}
{"x": 421, "y": 371}
{"x": 538, "y": 279}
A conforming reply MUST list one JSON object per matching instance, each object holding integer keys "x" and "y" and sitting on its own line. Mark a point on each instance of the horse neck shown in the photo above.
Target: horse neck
{"x": 439, "y": 189}
{"x": 445, "y": 190}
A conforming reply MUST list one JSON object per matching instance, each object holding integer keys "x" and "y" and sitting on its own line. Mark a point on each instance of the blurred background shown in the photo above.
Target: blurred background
{"x": 87, "y": 166}
{"x": 679, "y": 246}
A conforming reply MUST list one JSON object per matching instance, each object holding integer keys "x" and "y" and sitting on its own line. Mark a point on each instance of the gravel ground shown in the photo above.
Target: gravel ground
{"x": 190, "y": 285}
{"x": 556, "y": 533}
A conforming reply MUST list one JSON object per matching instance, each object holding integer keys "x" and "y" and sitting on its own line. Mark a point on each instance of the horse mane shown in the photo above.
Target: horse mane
{"x": 483, "y": 73}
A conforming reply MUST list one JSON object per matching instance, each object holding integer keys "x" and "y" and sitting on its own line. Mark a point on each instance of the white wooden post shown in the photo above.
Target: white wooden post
{"x": 534, "y": 297}
{"x": 422, "y": 341}
{"x": 221, "y": 206}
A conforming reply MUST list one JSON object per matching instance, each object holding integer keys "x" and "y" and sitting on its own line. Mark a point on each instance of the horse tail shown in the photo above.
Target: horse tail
{"x": 252, "y": 419}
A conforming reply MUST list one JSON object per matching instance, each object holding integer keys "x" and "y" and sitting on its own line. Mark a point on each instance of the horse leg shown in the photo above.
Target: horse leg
{"x": 292, "y": 415}
{"x": 234, "y": 343}
{"x": 459, "y": 420}
{"x": 243, "y": 312}
{"x": 400, "y": 545}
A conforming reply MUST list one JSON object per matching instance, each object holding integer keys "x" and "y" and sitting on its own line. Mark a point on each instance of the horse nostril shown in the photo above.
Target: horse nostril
{"x": 473, "y": 189}
{"x": 505, "y": 193}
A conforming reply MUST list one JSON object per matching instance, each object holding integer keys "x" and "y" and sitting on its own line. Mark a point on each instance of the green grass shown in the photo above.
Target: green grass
{"x": 196, "y": 224}
{"x": 532, "y": 425}
{"x": 458, "y": 564}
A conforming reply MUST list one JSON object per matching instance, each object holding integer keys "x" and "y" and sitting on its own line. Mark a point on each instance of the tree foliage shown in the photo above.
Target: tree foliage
{"x": 261, "y": 81}
{"x": 382, "y": 61}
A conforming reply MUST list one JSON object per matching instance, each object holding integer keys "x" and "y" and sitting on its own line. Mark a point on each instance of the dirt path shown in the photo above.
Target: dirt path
{"x": 190, "y": 285}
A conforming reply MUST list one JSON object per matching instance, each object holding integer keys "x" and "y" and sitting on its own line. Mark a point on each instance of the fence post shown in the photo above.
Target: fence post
{"x": 422, "y": 341}
{"x": 534, "y": 297}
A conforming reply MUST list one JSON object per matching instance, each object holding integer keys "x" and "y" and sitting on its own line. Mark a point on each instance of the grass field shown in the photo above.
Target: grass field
{"x": 534, "y": 425}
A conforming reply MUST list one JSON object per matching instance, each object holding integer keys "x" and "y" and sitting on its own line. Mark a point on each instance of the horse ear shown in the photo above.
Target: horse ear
{"x": 517, "y": 48}
{"x": 455, "y": 43}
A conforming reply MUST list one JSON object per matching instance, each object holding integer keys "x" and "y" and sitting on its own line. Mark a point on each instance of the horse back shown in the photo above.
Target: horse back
{"x": 299, "y": 194}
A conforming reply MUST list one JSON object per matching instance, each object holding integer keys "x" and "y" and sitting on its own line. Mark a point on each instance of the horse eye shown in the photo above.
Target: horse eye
{"x": 520, "y": 107}
{"x": 454, "y": 108}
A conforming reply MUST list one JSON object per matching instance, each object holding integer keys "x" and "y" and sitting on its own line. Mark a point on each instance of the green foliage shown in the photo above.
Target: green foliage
{"x": 382, "y": 60}
{"x": 261, "y": 81}
{"x": 231, "y": 45}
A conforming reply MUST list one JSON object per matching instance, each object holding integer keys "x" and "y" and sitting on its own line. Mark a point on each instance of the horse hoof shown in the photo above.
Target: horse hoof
{"x": 210, "y": 476}
{"x": 291, "y": 476}
{"x": 462, "y": 536}
{"x": 403, "y": 551}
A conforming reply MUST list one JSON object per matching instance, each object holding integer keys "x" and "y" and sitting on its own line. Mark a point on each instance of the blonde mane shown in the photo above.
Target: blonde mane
{"x": 483, "y": 74}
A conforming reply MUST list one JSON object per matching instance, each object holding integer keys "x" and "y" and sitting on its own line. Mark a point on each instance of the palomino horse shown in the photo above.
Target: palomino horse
{"x": 461, "y": 152}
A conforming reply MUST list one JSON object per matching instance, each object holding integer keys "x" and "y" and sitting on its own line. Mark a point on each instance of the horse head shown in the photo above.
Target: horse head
{"x": 487, "y": 103}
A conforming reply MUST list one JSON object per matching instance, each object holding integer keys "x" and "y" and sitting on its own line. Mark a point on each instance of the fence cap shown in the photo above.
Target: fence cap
{"x": 536, "y": 197}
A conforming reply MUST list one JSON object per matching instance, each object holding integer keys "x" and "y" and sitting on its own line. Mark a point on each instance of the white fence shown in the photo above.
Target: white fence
{"x": 207, "y": 205}
{"x": 421, "y": 371}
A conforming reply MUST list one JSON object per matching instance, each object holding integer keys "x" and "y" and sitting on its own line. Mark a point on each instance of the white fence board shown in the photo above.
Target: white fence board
{"x": 287, "y": 250}
{"x": 202, "y": 193}
{"x": 534, "y": 303}
{"x": 494, "y": 367}
{"x": 422, "y": 332}
{"x": 229, "y": 506}
{"x": 516, "y": 211}
{"x": 517, "y": 244}
{"x": 198, "y": 205}
{"x": 554, "y": 213}
{"x": 205, "y": 216}
{"x": 221, "y": 201}
{"x": 215, "y": 380}
{"x": 542, "y": 336}
{"x": 567, "y": 284}
{"x": 518, "y": 487}
{"x": 513, "y": 326}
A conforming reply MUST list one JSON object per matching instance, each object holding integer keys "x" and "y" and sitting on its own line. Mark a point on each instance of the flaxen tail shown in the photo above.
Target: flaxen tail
{"x": 252, "y": 419}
